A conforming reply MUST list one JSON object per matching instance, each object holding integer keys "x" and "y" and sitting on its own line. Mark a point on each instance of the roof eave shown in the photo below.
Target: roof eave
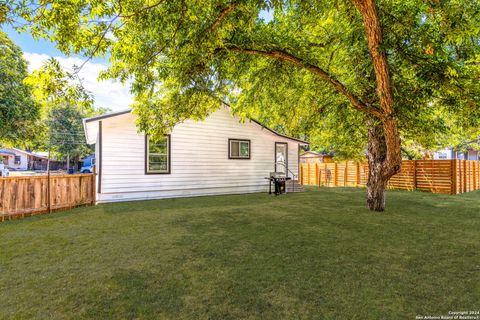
{"x": 105, "y": 116}
{"x": 279, "y": 134}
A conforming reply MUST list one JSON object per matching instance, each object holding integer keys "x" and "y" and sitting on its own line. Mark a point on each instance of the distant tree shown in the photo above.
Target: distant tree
{"x": 18, "y": 111}
{"x": 65, "y": 102}
{"x": 341, "y": 71}
{"x": 65, "y": 133}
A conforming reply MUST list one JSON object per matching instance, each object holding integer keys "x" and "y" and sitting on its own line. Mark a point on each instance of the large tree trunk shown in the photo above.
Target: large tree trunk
{"x": 384, "y": 156}
{"x": 381, "y": 165}
{"x": 377, "y": 182}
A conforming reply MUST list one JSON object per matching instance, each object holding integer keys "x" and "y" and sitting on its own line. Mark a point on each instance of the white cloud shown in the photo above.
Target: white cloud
{"x": 108, "y": 93}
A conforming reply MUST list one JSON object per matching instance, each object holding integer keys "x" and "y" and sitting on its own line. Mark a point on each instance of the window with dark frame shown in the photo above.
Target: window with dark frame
{"x": 157, "y": 155}
{"x": 18, "y": 160}
{"x": 238, "y": 149}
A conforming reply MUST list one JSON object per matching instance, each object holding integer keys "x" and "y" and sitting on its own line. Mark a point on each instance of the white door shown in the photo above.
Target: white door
{"x": 281, "y": 160}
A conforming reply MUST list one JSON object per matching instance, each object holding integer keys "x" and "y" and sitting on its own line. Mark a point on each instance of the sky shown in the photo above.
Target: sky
{"x": 107, "y": 94}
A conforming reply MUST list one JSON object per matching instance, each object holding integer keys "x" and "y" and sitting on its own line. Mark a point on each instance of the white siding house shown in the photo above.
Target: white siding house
{"x": 444, "y": 154}
{"x": 220, "y": 155}
{"x": 17, "y": 159}
{"x": 449, "y": 154}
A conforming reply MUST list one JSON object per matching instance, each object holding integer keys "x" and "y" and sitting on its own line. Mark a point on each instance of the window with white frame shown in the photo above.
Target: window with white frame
{"x": 238, "y": 149}
{"x": 157, "y": 157}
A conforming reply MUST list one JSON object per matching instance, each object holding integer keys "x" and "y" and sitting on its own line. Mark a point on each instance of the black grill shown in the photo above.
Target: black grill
{"x": 279, "y": 180}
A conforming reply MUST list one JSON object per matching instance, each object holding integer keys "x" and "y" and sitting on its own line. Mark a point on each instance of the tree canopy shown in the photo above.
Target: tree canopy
{"x": 18, "y": 111}
{"x": 186, "y": 56}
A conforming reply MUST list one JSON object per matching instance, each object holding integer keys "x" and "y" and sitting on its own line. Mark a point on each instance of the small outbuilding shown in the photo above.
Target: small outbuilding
{"x": 315, "y": 157}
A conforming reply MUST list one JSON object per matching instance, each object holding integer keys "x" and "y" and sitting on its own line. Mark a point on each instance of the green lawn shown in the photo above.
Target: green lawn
{"x": 317, "y": 254}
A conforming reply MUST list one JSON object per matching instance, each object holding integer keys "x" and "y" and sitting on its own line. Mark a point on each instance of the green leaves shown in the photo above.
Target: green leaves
{"x": 53, "y": 87}
{"x": 18, "y": 111}
{"x": 64, "y": 104}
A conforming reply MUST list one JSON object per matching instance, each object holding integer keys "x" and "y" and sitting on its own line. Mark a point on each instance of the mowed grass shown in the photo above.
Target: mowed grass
{"x": 314, "y": 255}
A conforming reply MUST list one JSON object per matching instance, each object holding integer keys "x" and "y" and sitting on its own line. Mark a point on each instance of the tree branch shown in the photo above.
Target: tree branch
{"x": 99, "y": 42}
{"x": 373, "y": 31}
{"x": 223, "y": 14}
{"x": 337, "y": 85}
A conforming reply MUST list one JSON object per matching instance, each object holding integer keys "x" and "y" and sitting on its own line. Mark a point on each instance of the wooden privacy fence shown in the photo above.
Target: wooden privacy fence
{"x": 29, "y": 195}
{"x": 437, "y": 176}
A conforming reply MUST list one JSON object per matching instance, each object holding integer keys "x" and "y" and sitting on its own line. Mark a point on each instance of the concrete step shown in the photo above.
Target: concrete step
{"x": 296, "y": 187}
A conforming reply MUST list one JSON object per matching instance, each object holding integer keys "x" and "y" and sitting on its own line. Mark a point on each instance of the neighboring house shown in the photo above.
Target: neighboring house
{"x": 220, "y": 155}
{"x": 315, "y": 157}
{"x": 6, "y": 156}
{"x": 17, "y": 159}
{"x": 449, "y": 154}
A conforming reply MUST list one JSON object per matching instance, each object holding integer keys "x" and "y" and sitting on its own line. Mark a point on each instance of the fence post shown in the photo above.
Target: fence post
{"x": 464, "y": 176}
{"x": 49, "y": 192}
{"x": 453, "y": 179}
{"x": 414, "y": 174}
{"x": 358, "y": 175}
{"x": 309, "y": 174}
{"x": 317, "y": 174}
{"x": 325, "y": 174}
{"x": 2, "y": 198}
{"x": 459, "y": 177}
{"x": 474, "y": 176}
{"x": 300, "y": 173}
{"x": 478, "y": 174}
{"x": 345, "y": 174}
{"x": 94, "y": 185}
{"x": 335, "y": 175}
{"x": 467, "y": 176}
{"x": 475, "y": 172}
{"x": 477, "y": 168}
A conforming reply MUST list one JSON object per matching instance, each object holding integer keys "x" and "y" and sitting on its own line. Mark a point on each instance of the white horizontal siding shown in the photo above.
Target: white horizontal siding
{"x": 199, "y": 159}
{"x": 132, "y": 196}
{"x": 23, "y": 165}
